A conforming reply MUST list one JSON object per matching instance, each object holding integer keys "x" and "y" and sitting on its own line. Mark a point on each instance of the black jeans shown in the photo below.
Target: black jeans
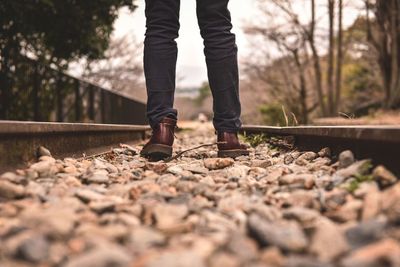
{"x": 160, "y": 55}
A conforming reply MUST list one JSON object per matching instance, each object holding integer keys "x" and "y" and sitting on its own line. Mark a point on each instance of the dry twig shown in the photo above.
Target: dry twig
{"x": 190, "y": 149}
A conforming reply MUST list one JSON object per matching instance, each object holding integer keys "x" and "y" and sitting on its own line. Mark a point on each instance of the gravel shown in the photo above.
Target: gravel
{"x": 273, "y": 208}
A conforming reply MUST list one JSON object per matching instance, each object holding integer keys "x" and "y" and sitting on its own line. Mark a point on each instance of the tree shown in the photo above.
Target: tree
{"x": 339, "y": 58}
{"x": 294, "y": 39}
{"x": 383, "y": 34}
{"x": 53, "y": 32}
{"x": 121, "y": 68}
{"x": 310, "y": 33}
{"x": 331, "y": 54}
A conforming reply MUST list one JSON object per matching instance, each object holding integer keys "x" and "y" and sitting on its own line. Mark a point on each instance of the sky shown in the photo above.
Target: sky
{"x": 191, "y": 68}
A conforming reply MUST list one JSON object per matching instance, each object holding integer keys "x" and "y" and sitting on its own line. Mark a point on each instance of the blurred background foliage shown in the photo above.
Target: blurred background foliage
{"x": 321, "y": 68}
{"x": 39, "y": 38}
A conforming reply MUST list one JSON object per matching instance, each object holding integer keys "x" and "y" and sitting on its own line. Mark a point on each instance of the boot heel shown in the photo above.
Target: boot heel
{"x": 157, "y": 152}
{"x": 233, "y": 153}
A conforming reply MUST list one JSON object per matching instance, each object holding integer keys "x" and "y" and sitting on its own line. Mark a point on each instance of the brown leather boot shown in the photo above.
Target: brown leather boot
{"x": 160, "y": 144}
{"x": 231, "y": 147}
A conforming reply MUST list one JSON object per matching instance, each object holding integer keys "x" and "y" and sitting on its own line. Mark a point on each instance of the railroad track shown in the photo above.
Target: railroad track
{"x": 19, "y": 141}
{"x": 381, "y": 144}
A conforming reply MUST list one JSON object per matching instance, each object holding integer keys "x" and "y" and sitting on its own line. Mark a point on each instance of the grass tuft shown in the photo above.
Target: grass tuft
{"x": 254, "y": 139}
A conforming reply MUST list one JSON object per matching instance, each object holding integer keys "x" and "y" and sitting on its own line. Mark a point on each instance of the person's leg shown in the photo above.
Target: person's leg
{"x": 221, "y": 58}
{"x": 160, "y": 55}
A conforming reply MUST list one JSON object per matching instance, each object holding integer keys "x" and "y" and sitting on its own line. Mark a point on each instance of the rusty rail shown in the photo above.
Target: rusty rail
{"x": 379, "y": 143}
{"x": 19, "y": 140}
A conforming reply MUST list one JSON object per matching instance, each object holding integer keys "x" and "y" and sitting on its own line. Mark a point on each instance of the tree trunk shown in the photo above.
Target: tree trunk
{"x": 394, "y": 38}
{"x": 385, "y": 39}
{"x": 329, "y": 76}
{"x": 60, "y": 98}
{"x": 316, "y": 60}
{"x": 78, "y": 110}
{"x": 36, "y": 92}
{"x": 339, "y": 60}
{"x": 4, "y": 84}
{"x": 303, "y": 89}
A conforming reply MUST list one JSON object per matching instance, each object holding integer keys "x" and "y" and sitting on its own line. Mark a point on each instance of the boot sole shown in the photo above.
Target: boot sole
{"x": 234, "y": 153}
{"x": 157, "y": 152}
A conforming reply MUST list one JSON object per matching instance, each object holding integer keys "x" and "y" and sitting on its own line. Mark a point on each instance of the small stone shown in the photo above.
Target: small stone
{"x": 324, "y": 182}
{"x": 325, "y": 152}
{"x": 348, "y": 212}
{"x": 99, "y": 177}
{"x": 366, "y": 232}
{"x": 302, "y": 162}
{"x": 176, "y": 259}
{"x": 110, "y": 230}
{"x": 301, "y": 198}
{"x": 42, "y": 151}
{"x": 87, "y": 195}
{"x": 274, "y": 175}
{"x": 365, "y": 189}
{"x": 14, "y": 178}
{"x": 224, "y": 259}
{"x": 346, "y": 158}
{"x": 272, "y": 257}
{"x": 390, "y": 200}
{"x": 47, "y": 158}
{"x": 34, "y": 249}
{"x": 240, "y": 171}
{"x": 335, "y": 198}
{"x": 179, "y": 171}
{"x": 202, "y": 246}
{"x": 319, "y": 164}
{"x": 143, "y": 238}
{"x": 372, "y": 205}
{"x": 72, "y": 181}
{"x": 101, "y": 257}
{"x": 261, "y": 163}
{"x": 383, "y": 176}
{"x": 218, "y": 163}
{"x": 304, "y": 180}
{"x": 383, "y": 253}
{"x": 159, "y": 168}
{"x": 168, "y": 215}
{"x": 234, "y": 202}
{"x": 58, "y": 252}
{"x": 11, "y": 191}
{"x": 357, "y": 168}
{"x": 98, "y": 164}
{"x": 102, "y": 206}
{"x": 285, "y": 235}
{"x": 34, "y": 189}
{"x": 303, "y": 215}
{"x": 71, "y": 169}
{"x": 288, "y": 159}
{"x": 44, "y": 168}
{"x": 305, "y": 158}
{"x": 111, "y": 168}
{"x": 243, "y": 247}
{"x": 328, "y": 242}
{"x": 294, "y": 260}
{"x": 57, "y": 221}
{"x": 257, "y": 172}
{"x": 128, "y": 219}
{"x": 196, "y": 169}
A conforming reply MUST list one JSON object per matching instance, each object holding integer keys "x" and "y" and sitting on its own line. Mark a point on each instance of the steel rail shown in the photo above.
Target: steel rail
{"x": 380, "y": 143}
{"x": 19, "y": 141}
